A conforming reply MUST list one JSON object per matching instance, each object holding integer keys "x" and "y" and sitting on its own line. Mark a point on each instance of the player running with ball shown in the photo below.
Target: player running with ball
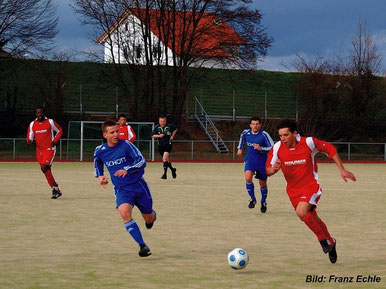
{"x": 126, "y": 166}
{"x": 295, "y": 156}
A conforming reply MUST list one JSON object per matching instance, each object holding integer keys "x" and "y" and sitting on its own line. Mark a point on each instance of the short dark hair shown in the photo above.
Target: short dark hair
{"x": 122, "y": 115}
{"x": 255, "y": 118}
{"x": 162, "y": 116}
{"x": 287, "y": 123}
{"x": 107, "y": 123}
{"x": 40, "y": 107}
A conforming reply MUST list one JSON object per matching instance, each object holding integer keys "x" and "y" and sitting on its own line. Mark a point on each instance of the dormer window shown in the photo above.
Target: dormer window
{"x": 217, "y": 21}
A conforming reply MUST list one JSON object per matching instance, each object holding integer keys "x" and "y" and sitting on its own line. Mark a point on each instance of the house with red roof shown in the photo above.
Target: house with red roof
{"x": 3, "y": 53}
{"x": 141, "y": 36}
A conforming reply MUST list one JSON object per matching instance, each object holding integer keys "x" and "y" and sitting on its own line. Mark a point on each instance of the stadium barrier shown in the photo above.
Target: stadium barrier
{"x": 185, "y": 150}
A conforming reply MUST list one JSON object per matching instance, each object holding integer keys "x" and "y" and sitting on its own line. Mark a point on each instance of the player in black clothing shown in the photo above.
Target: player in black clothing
{"x": 165, "y": 133}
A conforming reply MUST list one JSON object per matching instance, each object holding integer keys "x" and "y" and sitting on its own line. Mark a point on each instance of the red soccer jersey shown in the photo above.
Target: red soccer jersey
{"x": 43, "y": 132}
{"x": 298, "y": 163}
{"x": 126, "y": 132}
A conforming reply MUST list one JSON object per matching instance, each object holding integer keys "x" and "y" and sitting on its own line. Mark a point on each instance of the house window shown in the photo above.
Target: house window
{"x": 126, "y": 53}
{"x": 156, "y": 51}
{"x": 217, "y": 21}
{"x": 138, "y": 51}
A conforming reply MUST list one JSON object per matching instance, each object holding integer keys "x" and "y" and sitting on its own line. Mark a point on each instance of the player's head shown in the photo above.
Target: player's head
{"x": 40, "y": 113}
{"x": 162, "y": 120}
{"x": 255, "y": 123}
{"x": 122, "y": 119}
{"x": 110, "y": 132}
{"x": 287, "y": 130}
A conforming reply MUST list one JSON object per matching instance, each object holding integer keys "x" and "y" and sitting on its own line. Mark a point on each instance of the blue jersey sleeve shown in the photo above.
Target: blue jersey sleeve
{"x": 172, "y": 127}
{"x": 268, "y": 142}
{"x": 242, "y": 140}
{"x": 98, "y": 163}
{"x": 155, "y": 130}
{"x": 138, "y": 161}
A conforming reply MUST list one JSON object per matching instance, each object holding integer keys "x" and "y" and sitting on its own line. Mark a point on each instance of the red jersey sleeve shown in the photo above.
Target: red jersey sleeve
{"x": 30, "y": 133}
{"x": 273, "y": 155}
{"x": 324, "y": 147}
{"x": 58, "y": 130}
{"x": 269, "y": 158}
{"x": 131, "y": 134}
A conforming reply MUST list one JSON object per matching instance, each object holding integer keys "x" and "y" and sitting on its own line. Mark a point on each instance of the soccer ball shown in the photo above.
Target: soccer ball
{"x": 238, "y": 258}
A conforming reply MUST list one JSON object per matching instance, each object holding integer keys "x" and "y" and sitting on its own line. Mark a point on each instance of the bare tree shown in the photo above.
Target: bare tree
{"x": 318, "y": 89}
{"x": 27, "y": 26}
{"x": 346, "y": 89}
{"x": 364, "y": 63}
{"x": 158, "y": 73}
{"x": 52, "y": 78}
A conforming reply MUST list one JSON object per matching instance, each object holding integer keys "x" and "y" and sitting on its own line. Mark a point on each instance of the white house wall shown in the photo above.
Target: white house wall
{"x": 133, "y": 24}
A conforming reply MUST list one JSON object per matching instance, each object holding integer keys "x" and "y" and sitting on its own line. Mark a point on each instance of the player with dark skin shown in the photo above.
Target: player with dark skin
{"x": 40, "y": 115}
{"x": 45, "y": 132}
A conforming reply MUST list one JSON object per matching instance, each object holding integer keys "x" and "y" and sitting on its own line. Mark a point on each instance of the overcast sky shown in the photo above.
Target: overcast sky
{"x": 308, "y": 27}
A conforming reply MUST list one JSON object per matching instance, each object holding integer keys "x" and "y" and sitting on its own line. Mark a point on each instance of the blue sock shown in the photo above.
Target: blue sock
{"x": 264, "y": 193}
{"x": 134, "y": 231}
{"x": 251, "y": 190}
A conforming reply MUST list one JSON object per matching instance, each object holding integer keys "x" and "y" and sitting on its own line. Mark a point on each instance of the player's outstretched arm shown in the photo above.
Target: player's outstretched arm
{"x": 345, "y": 174}
{"x": 173, "y": 133}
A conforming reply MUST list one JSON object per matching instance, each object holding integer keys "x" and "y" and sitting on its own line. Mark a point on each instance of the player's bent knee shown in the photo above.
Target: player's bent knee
{"x": 125, "y": 212}
{"x": 301, "y": 213}
{"x": 126, "y": 217}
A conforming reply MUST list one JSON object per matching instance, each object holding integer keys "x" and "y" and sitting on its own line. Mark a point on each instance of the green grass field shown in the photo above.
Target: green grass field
{"x": 79, "y": 241}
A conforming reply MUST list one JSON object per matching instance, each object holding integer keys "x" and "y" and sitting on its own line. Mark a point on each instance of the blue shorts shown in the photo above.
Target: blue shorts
{"x": 256, "y": 168}
{"x": 136, "y": 194}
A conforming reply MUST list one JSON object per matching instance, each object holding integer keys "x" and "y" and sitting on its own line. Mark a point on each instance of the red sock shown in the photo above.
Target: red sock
{"x": 50, "y": 178}
{"x": 314, "y": 225}
{"x": 323, "y": 227}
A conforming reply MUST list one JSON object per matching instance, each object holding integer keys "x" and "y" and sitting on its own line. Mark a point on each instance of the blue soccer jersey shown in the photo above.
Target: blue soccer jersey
{"x": 125, "y": 156}
{"x": 261, "y": 138}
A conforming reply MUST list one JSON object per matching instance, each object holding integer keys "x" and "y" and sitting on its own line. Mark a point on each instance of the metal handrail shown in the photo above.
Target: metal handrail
{"x": 207, "y": 119}
{"x": 218, "y": 141}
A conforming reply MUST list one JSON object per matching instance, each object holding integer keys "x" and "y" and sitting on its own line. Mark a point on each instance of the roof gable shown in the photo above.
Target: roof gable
{"x": 206, "y": 37}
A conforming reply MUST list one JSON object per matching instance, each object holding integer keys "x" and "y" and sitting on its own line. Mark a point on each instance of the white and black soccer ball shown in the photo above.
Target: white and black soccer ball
{"x": 238, "y": 258}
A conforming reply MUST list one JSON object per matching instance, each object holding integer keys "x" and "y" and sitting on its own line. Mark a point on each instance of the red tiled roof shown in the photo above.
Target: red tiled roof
{"x": 3, "y": 53}
{"x": 208, "y": 36}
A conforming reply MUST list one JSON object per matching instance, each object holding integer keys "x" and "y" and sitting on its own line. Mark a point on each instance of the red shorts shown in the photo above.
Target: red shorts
{"x": 309, "y": 197}
{"x": 45, "y": 156}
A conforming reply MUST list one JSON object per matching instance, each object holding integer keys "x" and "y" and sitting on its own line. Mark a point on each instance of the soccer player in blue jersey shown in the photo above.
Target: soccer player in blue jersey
{"x": 258, "y": 145}
{"x": 126, "y": 166}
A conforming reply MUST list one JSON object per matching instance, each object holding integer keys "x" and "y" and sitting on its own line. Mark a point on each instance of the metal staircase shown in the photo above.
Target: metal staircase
{"x": 210, "y": 129}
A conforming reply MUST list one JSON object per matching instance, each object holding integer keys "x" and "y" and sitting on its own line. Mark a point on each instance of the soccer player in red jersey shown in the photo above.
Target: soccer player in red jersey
{"x": 295, "y": 156}
{"x": 126, "y": 132}
{"x": 47, "y": 134}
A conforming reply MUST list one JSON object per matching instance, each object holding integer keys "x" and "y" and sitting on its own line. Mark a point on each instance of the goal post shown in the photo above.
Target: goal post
{"x": 84, "y": 136}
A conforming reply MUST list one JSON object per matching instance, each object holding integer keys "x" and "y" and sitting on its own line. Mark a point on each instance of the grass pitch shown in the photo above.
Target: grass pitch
{"x": 79, "y": 241}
